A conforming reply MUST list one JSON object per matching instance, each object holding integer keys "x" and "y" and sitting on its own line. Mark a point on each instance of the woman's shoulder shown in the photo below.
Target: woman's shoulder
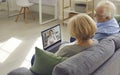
{"x": 95, "y": 41}
{"x": 67, "y": 44}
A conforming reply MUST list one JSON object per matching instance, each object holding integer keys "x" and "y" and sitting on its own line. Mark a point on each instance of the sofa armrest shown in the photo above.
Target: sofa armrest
{"x": 21, "y": 71}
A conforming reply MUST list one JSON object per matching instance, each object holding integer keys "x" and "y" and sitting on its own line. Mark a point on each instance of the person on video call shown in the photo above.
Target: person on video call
{"x": 51, "y": 38}
{"x": 106, "y": 23}
{"x": 82, "y": 27}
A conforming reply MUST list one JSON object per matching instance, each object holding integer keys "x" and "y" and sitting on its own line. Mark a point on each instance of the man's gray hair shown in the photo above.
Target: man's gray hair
{"x": 109, "y": 8}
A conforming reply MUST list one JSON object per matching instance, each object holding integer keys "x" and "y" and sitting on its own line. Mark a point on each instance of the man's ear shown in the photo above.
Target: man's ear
{"x": 107, "y": 18}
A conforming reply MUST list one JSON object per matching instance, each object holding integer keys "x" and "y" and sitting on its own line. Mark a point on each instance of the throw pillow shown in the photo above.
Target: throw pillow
{"x": 118, "y": 19}
{"x": 44, "y": 62}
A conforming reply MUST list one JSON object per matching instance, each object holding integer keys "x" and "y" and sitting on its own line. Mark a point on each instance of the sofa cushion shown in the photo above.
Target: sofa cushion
{"x": 44, "y": 62}
{"x": 86, "y": 62}
{"x": 21, "y": 71}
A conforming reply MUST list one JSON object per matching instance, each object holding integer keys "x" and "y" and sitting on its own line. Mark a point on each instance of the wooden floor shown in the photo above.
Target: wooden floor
{"x": 18, "y": 39}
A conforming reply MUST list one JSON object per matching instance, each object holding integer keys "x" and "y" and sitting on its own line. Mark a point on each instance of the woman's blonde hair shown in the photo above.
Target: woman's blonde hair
{"x": 82, "y": 27}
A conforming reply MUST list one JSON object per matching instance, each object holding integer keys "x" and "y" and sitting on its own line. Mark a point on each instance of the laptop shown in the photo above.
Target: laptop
{"x": 51, "y": 38}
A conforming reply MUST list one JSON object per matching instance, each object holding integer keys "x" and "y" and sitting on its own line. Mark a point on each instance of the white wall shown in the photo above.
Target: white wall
{"x": 13, "y": 5}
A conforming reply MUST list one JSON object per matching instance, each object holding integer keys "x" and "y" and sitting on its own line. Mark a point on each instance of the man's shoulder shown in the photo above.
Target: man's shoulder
{"x": 100, "y": 36}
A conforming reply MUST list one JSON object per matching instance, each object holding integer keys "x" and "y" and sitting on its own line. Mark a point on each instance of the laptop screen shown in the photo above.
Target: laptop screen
{"x": 51, "y": 36}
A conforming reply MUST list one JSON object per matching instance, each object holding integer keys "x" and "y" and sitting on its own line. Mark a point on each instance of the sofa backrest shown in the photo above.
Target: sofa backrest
{"x": 86, "y": 62}
{"x": 116, "y": 39}
{"x": 110, "y": 67}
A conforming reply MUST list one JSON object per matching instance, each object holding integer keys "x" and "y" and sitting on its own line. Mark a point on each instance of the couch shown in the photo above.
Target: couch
{"x": 102, "y": 59}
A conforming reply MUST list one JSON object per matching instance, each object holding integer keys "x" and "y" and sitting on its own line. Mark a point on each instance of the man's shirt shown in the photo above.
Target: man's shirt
{"x": 106, "y": 29}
